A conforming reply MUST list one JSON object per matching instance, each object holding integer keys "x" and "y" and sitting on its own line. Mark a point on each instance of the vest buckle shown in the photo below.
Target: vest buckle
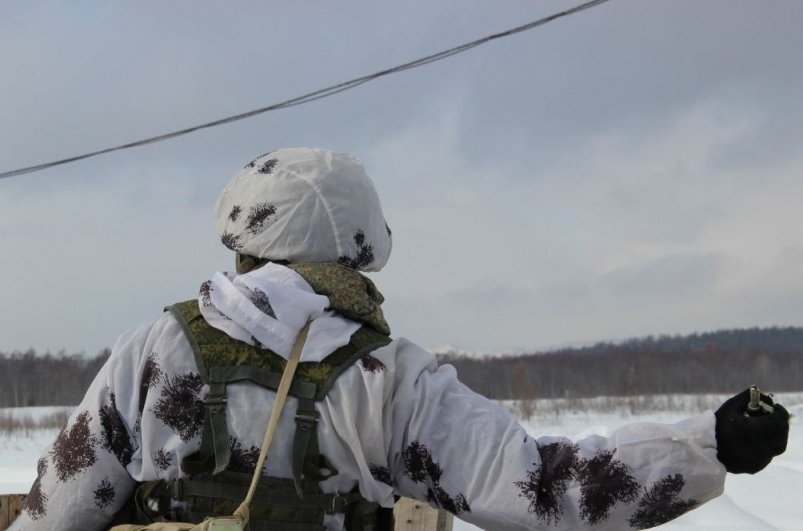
{"x": 307, "y": 420}
{"x": 215, "y": 403}
{"x": 338, "y": 505}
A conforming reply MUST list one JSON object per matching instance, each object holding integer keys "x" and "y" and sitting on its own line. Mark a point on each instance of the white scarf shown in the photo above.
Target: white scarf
{"x": 268, "y": 307}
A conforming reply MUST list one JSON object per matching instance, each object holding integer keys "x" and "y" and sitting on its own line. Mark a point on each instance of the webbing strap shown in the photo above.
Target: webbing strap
{"x": 215, "y": 444}
{"x": 215, "y": 440}
{"x": 276, "y": 494}
{"x": 262, "y": 377}
{"x": 264, "y": 496}
{"x": 273, "y": 422}
{"x": 303, "y": 462}
{"x": 215, "y": 451}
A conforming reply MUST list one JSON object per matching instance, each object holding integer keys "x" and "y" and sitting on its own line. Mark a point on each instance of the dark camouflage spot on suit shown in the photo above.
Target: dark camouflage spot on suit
{"x": 365, "y": 253}
{"x": 151, "y": 373}
{"x": 231, "y": 241}
{"x": 115, "y": 436}
{"x": 74, "y": 449}
{"x": 380, "y": 473}
{"x": 421, "y": 468}
{"x": 604, "y": 481}
{"x": 254, "y": 162}
{"x": 162, "y": 459}
{"x": 151, "y": 376}
{"x": 36, "y": 503}
{"x": 104, "y": 494}
{"x": 419, "y": 465}
{"x": 440, "y": 498}
{"x": 242, "y": 459}
{"x": 179, "y": 406}
{"x": 371, "y": 364}
{"x": 267, "y": 167}
{"x": 660, "y": 503}
{"x": 260, "y": 299}
{"x": 259, "y": 214}
{"x": 206, "y": 293}
{"x": 547, "y": 482}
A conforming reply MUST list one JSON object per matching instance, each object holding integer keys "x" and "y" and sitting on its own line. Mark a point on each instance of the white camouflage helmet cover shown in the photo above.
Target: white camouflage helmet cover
{"x": 305, "y": 206}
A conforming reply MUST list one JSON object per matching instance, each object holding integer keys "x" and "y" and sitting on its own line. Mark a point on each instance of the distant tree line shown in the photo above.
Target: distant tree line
{"x": 31, "y": 379}
{"x": 715, "y": 362}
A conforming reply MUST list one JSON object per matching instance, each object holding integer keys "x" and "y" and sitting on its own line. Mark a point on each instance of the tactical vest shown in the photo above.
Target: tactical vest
{"x": 280, "y": 504}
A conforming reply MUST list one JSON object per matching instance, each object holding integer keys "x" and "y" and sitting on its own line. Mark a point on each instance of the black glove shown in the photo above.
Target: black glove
{"x": 747, "y": 441}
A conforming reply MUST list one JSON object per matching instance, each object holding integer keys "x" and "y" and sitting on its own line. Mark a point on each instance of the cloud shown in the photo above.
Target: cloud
{"x": 671, "y": 278}
{"x": 639, "y": 234}
{"x": 630, "y": 170}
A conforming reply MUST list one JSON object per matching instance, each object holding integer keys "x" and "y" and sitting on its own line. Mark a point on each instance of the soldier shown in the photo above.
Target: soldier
{"x": 172, "y": 425}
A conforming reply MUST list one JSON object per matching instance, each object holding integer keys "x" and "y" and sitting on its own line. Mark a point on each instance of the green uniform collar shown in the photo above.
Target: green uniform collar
{"x": 350, "y": 293}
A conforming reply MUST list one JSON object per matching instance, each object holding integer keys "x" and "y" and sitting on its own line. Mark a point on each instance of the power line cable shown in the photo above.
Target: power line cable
{"x": 312, "y": 96}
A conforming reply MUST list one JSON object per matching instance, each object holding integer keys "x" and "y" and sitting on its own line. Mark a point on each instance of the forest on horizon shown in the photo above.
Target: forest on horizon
{"x": 724, "y": 361}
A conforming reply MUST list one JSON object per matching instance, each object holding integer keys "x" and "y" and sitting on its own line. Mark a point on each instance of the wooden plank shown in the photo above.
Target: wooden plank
{"x": 17, "y": 501}
{"x": 413, "y": 515}
{"x": 10, "y": 508}
{"x": 4, "y": 523}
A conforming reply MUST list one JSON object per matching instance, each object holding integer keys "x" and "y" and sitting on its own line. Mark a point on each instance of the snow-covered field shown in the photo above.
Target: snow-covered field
{"x": 768, "y": 501}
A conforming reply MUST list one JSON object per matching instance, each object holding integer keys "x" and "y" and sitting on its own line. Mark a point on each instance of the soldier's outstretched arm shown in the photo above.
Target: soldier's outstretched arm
{"x": 461, "y": 452}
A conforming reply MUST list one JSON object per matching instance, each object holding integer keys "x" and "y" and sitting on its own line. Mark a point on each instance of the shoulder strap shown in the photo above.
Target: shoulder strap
{"x": 235, "y": 360}
{"x": 273, "y": 422}
{"x": 222, "y": 360}
{"x": 187, "y": 312}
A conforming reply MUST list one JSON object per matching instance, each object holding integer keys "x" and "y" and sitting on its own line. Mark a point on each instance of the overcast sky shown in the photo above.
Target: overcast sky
{"x": 634, "y": 169}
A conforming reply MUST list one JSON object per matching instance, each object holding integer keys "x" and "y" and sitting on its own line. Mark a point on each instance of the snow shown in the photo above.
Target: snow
{"x": 20, "y": 450}
{"x": 767, "y": 501}
{"x": 18, "y": 456}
